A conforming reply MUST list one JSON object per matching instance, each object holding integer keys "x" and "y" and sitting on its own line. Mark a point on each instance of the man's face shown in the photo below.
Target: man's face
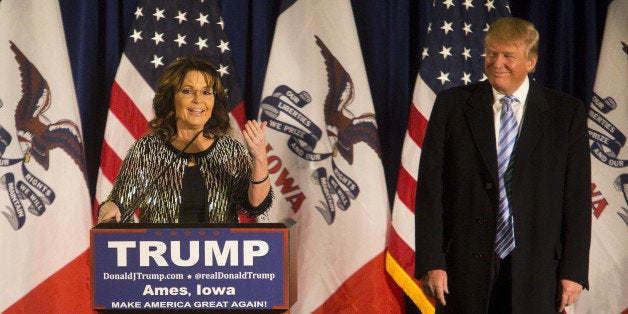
{"x": 506, "y": 65}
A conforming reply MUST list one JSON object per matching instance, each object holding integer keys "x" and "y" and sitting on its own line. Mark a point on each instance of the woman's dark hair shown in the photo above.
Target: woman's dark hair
{"x": 164, "y": 124}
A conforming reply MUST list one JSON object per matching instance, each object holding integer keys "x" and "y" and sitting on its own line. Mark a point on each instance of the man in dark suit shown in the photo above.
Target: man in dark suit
{"x": 503, "y": 221}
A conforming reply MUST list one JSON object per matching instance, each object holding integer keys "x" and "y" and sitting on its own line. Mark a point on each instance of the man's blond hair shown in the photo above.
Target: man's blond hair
{"x": 514, "y": 31}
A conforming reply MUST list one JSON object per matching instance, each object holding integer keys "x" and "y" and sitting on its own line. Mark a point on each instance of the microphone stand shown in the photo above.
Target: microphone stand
{"x": 128, "y": 213}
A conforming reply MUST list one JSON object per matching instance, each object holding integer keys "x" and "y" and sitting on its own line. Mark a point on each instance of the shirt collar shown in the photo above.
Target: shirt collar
{"x": 521, "y": 93}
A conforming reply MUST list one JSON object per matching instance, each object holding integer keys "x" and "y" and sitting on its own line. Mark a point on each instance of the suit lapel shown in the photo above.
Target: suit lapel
{"x": 535, "y": 120}
{"x": 479, "y": 119}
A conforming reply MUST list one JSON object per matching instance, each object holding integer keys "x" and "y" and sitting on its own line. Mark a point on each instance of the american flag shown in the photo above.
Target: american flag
{"x": 162, "y": 31}
{"x": 453, "y": 55}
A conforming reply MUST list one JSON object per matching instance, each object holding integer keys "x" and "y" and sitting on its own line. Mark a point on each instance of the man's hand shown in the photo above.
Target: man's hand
{"x": 569, "y": 293}
{"x": 435, "y": 284}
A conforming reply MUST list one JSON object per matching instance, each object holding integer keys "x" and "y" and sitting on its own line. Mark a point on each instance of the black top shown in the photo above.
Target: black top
{"x": 193, "y": 196}
{"x": 193, "y": 191}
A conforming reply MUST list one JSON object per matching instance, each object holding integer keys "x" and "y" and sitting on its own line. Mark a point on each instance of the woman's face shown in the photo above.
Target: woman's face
{"x": 194, "y": 102}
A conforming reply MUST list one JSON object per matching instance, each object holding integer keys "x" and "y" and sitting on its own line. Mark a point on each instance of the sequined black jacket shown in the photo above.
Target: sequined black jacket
{"x": 226, "y": 168}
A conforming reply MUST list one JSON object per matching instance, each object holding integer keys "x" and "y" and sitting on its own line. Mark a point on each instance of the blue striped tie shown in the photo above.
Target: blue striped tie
{"x": 505, "y": 236}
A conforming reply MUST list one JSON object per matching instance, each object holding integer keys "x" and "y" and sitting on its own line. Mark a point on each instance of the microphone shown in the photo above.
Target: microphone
{"x": 128, "y": 212}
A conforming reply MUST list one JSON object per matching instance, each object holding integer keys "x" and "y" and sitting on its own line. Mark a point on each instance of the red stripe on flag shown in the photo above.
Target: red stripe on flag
{"x": 125, "y": 110}
{"x": 400, "y": 265}
{"x": 406, "y": 188}
{"x": 417, "y": 124}
{"x": 239, "y": 114}
{"x": 95, "y": 207}
{"x": 368, "y": 290}
{"x": 403, "y": 254}
{"x": 110, "y": 162}
{"x": 66, "y": 289}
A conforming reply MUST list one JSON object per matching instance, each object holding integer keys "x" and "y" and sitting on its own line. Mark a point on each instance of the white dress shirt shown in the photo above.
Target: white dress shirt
{"x": 518, "y": 106}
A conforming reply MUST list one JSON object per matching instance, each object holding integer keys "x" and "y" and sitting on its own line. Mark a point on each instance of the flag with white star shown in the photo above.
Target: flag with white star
{"x": 163, "y": 30}
{"x": 453, "y": 55}
{"x": 454, "y": 51}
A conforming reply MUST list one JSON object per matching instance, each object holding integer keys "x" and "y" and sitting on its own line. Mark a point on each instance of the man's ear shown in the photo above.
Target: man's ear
{"x": 531, "y": 63}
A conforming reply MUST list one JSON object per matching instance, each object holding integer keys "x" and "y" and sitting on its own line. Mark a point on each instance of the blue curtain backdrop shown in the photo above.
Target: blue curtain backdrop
{"x": 391, "y": 33}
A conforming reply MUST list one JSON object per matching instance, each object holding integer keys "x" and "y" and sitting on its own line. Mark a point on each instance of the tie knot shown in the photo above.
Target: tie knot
{"x": 508, "y": 100}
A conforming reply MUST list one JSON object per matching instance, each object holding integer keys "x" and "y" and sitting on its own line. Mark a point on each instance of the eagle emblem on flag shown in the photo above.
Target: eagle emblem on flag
{"x": 37, "y": 136}
{"x": 344, "y": 130}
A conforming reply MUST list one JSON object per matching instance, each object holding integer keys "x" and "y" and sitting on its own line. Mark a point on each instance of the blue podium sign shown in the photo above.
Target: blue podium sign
{"x": 192, "y": 267}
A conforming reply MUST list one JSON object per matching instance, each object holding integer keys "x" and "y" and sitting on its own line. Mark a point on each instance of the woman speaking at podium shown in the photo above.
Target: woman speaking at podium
{"x": 188, "y": 168}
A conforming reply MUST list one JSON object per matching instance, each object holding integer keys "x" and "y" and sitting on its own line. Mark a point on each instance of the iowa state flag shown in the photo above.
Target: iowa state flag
{"x": 608, "y": 128}
{"x": 44, "y": 200}
{"x": 324, "y": 160}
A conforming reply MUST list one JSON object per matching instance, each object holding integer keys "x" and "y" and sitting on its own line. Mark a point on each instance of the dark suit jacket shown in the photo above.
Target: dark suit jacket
{"x": 457, "y": 198}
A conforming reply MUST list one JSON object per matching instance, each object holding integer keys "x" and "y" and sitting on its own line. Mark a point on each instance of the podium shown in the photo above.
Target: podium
{"x": 193, "y": 267}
